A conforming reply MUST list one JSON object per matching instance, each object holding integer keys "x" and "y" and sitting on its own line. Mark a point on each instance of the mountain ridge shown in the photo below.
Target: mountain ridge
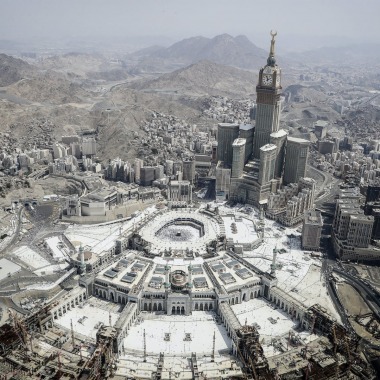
{"x": 222, "y": 49}
{"x": 202, "y": 78}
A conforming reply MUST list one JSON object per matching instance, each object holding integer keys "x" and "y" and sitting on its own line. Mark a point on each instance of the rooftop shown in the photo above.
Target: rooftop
{"x": 228, "y": 125}
{"x": 298, "y": 140}
{"x": 239, "y": 142}
{"x": 321, "y": 123}
{"x": 268, "y": 147}
{"x": 279, "y": 133}
{"x": 313, "y": 217}
{"x": 245, "y": 127}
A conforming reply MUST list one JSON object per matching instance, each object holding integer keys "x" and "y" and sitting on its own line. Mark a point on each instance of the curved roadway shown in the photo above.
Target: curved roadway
{"x": 370, "y": 296}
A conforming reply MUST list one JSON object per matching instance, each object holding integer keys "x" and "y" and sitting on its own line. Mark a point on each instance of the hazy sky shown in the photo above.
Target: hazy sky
{"x": 349, "y": 20}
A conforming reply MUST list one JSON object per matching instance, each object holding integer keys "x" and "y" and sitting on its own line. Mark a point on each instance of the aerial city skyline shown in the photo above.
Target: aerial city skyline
{"x": 189, "y": 206}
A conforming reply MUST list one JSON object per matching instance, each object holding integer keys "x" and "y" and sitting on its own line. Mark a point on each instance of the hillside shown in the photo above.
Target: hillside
{"x": 223, "y": 49}
{"x": 12, "y": 69}
{"x": 44, "y": 105}
{"x": 49, "y": 87}
{"x": 76, "y": 63}
{"x": 202, "y": 78}
{"x": 76, "y": 66}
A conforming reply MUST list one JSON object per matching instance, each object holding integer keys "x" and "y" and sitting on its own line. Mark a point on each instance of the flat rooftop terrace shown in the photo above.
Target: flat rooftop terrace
{"x": 168, "y": 334}
{"x": 87, "y": 319}
{"x": 7, "y": 268}
{"x": 272, "y": 323}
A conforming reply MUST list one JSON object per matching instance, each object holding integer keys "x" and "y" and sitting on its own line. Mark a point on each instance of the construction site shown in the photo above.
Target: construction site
{"x": 246, "y": 304}
{"x": 33, "y": 348}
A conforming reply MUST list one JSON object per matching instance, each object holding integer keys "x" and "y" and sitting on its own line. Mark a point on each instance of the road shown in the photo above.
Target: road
{"x": 16, "y": 234}
{"x": 369, "y": 294}
{"x": 329, "y": 190}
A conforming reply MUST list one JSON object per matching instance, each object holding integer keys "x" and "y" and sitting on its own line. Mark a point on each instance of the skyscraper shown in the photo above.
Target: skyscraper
{"x": 279, "y": 139}
{"x": 312, "y": 230}
{"x": 246, "y": 132}
{"x": 268, "y": 102}
{"x": 297, "y": 151}
{"x": 189, "y": 170}
{"x": 227, "y": 133}
{"x": 238, "y": 156}
{"x": 373, "y": 192}
{"x": 89, "y": 146}
{"x": 138, "y": 164}
{"x": 267, "y": 163}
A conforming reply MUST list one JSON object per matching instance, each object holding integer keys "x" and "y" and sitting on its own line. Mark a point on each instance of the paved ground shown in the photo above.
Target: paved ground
{"x": 352, "y": 300}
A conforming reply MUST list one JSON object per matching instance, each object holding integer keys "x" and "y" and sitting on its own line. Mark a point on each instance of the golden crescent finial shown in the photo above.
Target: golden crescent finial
{"x": 271, "y": 53}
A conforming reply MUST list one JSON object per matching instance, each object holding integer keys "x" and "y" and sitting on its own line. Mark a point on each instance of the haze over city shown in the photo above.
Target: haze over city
{"x": 302, "y": 24}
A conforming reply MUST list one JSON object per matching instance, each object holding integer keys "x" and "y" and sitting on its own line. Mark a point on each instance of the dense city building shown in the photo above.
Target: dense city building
{"x": 273, "y": 158}
{"x": 311, "y": 230}
{"x": 353, "y": 231}
{"x": 296, "y": 159}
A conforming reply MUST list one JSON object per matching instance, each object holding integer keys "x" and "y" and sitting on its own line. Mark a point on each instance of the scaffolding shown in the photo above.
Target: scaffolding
{"x": 251, "y": 353}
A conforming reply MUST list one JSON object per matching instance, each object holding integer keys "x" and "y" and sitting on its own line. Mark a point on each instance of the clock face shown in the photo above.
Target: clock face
{"x": 267, "y": 80}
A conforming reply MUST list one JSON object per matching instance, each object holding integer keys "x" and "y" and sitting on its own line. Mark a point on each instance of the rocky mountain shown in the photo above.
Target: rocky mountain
{"x": 223, "y": 49}
{"x": 47, "y": 87}
{"x": 24, "y": 83}
{"x": 12, "y": 69}
{"x": 93, "y": 66}
{"x": 202, "y": 78}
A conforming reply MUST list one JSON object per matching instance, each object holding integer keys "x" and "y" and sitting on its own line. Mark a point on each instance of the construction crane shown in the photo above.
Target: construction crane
{"x": 72, "y": 333}
{"x": 334, "y": 338}
{"x": 59, "y": 362}
{"x": 308, "y": 370}
{"x": 244, "y": 361}
{"x": 80, "y": 353}
{"x": 313, "y": 323}
{"x": 19, "y": 328}
{"x": 348, "y": 351}
{"x": 97, "y": 363}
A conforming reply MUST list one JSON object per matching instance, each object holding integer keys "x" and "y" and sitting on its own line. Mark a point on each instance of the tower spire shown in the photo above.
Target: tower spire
{"x": 271, "y": 59}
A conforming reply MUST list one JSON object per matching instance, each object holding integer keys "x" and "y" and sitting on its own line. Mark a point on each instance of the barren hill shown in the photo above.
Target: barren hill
{"x": 12, "y": 69}
{"x": 48, "y": 87}
{"x": 223, "y": 49}
{"x": 125, "y": 111}
{"x": 77, "y": 63}
{"x": 202, "y": 78}
{"x": 84, "y": 65}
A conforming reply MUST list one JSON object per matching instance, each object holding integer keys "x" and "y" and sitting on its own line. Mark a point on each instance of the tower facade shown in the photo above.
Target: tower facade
{"x": 189, "y": 170}
{"x": 297, "y": 151}
{"x": 311, "y": 230}
{"x": 246, "y": 132}
{"x": 267, "y": 163}
{"x": 238, "y": 157}
{"x": 279, "y": 139}
{"x": 227, "y": 133}
{"x": 268, "y": 102}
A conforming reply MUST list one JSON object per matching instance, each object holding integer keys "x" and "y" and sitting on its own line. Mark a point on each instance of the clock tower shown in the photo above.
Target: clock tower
{"x": 268, "y": 101}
